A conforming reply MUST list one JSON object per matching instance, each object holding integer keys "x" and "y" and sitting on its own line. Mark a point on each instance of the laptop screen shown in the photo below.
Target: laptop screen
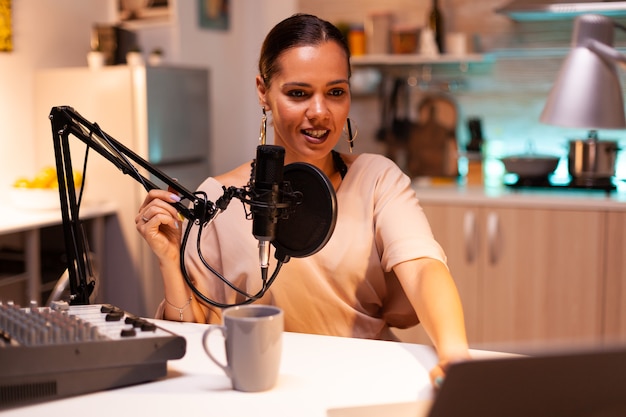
{"x": 557, "y": 384}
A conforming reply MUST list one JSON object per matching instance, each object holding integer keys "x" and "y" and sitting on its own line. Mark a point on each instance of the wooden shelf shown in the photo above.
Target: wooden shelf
{"x": 417, "y": 59}
{"x": 444, "y": 72}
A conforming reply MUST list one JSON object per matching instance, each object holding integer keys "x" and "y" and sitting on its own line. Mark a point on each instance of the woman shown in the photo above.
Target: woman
{"x": 381, "y": 268}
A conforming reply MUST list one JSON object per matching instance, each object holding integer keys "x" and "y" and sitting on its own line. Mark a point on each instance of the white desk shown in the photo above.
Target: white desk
{"x": 317, "y": 373}
{"x": 30, "y": 222}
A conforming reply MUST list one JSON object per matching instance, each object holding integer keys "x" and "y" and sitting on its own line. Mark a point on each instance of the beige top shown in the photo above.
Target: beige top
{"x": 348, "y": 288}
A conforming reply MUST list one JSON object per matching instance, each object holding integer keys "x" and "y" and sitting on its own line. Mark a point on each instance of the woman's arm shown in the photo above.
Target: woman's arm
{"x": 434, "y": 296}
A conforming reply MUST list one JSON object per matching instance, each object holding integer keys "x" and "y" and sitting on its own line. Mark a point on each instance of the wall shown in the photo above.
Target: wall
{"x": 232, "y": 58}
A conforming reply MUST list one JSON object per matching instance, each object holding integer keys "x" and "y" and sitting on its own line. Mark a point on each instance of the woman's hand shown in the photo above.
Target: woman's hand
{"x": 160, "y": 224}
{"x": 438, "y": 372}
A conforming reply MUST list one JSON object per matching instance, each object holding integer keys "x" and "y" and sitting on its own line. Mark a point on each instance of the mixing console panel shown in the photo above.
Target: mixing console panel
{"x": 62, "y": 350}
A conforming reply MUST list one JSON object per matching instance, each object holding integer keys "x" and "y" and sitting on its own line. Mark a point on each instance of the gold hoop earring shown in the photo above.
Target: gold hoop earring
{"x": 263, "y": 130}
{"x": 350, "y": 132}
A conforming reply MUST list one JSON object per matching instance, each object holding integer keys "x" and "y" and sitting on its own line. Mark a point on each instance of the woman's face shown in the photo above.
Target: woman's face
{"x": 309, "y": 99}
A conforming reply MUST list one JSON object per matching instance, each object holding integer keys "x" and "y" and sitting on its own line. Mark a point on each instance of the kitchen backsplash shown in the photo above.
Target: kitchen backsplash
{"x": 508, "y": 97}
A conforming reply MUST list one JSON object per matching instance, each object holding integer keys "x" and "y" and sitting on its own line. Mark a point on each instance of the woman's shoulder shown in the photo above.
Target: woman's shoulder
{"x": 376, "y": 157}
{"x": 373, "y": 163}
{"x": 371, "y": 172}
{"x": 237, "y": 177}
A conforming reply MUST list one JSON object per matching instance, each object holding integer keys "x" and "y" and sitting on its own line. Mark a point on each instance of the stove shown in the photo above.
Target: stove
{"x": 601, "y": 184}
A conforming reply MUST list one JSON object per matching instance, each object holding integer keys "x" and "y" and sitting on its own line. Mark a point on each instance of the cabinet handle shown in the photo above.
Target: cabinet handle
{"x": 493, "y": 232}
{"x": 469, "y": 232}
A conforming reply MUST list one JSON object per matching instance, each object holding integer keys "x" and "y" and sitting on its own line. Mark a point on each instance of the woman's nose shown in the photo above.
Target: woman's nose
{"x": 318, "y": 109}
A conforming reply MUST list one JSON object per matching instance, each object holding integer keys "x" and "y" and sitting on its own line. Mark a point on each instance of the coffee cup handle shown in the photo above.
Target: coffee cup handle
{"x": 205, "y": 338}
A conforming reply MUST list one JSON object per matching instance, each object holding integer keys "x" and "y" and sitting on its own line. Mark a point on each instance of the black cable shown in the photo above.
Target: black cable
{"x": 82, "y": 180}
{"x": 120, "y": 155}
{"x": 213, "y": 270}
{"x": 248, "y": 297}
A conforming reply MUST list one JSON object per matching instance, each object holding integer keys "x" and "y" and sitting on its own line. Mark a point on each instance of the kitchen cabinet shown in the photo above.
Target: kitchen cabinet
{"x": 525, "y": 275}
{"x": 615, "y": 303}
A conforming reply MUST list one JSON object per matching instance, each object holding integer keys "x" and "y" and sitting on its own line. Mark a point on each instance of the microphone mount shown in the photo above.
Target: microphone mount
{"x": 200, "y": 211}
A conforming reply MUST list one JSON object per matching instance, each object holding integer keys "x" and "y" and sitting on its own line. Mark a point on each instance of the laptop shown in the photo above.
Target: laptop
{"x": 573, "y": 384}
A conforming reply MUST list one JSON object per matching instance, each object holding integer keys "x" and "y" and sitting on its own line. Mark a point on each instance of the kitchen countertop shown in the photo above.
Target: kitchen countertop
{"x": 502, "y": 196}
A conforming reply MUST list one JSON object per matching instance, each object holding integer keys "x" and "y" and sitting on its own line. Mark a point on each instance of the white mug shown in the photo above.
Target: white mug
{"x": 253, "y": 346}
{"x": 456, "y": 43}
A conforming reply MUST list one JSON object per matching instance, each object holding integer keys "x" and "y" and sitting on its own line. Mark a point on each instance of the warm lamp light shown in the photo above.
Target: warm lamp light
{"x": 587, "y": 93}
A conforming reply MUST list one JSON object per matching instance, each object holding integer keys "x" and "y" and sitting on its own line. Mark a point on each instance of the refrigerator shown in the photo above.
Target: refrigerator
{"x": 162, "y": 114}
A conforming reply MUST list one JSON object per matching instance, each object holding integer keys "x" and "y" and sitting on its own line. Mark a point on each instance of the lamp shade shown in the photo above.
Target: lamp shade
{"x": 587, "y": 92}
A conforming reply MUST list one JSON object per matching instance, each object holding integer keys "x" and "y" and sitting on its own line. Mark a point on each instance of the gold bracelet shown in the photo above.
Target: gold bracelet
{"x": 180, "y": 309}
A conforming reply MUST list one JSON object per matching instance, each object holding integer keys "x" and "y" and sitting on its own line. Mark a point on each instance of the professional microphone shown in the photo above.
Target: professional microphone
{"x": 266, "y": 192}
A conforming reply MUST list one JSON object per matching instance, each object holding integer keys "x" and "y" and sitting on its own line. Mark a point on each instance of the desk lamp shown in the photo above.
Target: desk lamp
{"x": 587, "y": 92}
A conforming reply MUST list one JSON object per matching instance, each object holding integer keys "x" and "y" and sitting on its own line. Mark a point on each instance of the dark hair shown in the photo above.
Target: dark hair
{"x": 297, "y": 30}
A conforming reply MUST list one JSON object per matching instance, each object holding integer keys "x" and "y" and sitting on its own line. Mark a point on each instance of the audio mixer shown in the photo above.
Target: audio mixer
{"x": 64, "y": 350}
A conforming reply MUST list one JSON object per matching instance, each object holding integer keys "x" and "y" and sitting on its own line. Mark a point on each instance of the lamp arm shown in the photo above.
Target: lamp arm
{"x": 605, "y": 51}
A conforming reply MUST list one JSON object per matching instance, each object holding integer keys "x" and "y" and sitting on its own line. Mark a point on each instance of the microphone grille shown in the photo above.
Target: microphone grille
{"x": 269, "y": 164}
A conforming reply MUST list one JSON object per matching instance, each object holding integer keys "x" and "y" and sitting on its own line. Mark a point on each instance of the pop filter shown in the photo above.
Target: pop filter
{"x": 310, "y": 226}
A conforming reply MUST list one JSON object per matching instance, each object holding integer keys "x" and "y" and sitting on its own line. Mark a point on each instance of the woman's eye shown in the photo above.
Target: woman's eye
{"x": 336, "y": 92}
{"x": 297, "y": 93}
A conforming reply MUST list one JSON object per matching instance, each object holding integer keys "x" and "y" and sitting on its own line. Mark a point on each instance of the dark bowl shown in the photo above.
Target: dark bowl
{"x": 531, "y": 166}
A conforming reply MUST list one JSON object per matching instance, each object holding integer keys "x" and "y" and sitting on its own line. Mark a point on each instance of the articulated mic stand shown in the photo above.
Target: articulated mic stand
{"x": 66, "y": 121}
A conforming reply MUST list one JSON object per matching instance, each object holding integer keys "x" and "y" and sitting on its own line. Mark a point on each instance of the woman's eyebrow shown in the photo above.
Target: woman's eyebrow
{"x": 301, "y": 84}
